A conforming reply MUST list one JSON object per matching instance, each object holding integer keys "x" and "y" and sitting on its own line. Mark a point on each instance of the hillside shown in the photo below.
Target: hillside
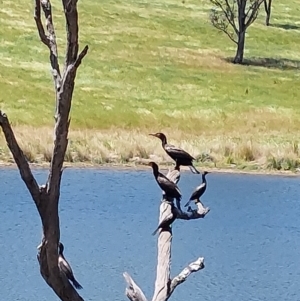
{"x": 158, "y": 66}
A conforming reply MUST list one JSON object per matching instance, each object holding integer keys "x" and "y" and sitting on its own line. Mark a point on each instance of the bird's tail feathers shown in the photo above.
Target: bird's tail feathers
{"x": 178, "y": 204}
{"x": 156, "y": 230}
{"x": 193, "y": 169}
{"x": 76, "y": 284}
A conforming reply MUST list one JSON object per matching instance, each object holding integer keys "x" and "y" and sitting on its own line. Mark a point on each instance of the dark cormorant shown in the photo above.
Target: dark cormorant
{"x": 198, "y": 192}
{"x": 65, "y": 267}
{"x": 180, "y": 156}
{"x": 170, "y": 188}
{"x": 167, "y": 221}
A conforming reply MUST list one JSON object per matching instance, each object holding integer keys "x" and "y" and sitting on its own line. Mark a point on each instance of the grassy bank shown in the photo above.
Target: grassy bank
{"x": 158, "y": 66}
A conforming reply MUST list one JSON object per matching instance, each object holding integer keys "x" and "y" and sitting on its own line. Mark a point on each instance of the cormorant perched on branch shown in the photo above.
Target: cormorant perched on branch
{"x": 198, "y": 192}
{"x": 65, "y": 267}
{"x": 180, "y": 156}
{"x": 167, "y": 221}
{"x": 170, "y": 188}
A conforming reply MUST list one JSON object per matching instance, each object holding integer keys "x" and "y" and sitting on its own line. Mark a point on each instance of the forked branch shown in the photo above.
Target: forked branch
{"x": 46, "y": 197}
{"x": 164, "y": 285}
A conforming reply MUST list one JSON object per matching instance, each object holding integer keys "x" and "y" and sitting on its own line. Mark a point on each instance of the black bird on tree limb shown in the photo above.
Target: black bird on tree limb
{"x": 171, "y": 189}
{"x": 199, "y": 191}
{"x": 167, "y": 221}
{"x": 66, "y": 268}
{"x": 180, "y": 156}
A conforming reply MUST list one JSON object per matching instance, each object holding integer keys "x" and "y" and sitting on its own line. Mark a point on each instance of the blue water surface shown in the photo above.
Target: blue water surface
{"x": 250, "y": 239}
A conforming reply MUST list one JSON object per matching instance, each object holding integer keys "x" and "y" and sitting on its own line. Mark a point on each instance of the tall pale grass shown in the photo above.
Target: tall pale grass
{"x": 122, "y": 147}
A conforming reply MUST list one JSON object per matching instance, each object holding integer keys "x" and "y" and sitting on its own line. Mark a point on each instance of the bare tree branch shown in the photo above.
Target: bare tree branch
{"x": 20, "y": 159}
{"x": 254, "y": 9}
{"x": 228, "y": 12}
{"x": 268, "y": 7}
{"x": 64, "y": 96}
{"x": 39, "y": 25}
{"x": 80, "y": 57}
{"x": 200, "y": 212}
{"x": 163, "y": 257}
{"x": 133, "y": 292}
{"x": 46, "y": 6}
{"x": 164, "y": 287}
{"x": 186, "y": 272}
{"x": 71, "y": 16}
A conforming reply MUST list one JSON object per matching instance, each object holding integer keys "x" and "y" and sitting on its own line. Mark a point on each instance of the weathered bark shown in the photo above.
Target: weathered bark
{"x": 268, "y": 7}
{"x": 233, "y": 18}
{"x": 164, "y": 285}
{"x": 46, "y": 197}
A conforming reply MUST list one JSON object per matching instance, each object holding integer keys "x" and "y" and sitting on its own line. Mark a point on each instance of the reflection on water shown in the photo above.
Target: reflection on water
{"x": 250, "y": 239}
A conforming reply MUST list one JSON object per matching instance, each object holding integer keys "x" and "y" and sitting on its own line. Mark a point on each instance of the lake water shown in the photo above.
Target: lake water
{"x": 250, "y": 239}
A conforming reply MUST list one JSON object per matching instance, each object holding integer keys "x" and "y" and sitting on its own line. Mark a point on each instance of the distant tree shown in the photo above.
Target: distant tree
{"x": 233, "y": 17}
{"x": 268, "y": 5}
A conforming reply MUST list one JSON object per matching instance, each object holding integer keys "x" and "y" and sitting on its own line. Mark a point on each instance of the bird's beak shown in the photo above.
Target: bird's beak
{"x": 152, "y": 135}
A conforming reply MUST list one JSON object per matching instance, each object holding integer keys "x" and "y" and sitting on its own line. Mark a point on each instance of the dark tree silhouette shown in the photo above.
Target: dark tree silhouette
{"x": 268, "y": 6}
{"x": 46, "y": 197}
{"x": 233, "y": 17}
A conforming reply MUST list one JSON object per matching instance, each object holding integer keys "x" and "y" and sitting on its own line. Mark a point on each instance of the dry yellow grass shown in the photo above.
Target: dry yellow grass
{"x": 121, "y": 147}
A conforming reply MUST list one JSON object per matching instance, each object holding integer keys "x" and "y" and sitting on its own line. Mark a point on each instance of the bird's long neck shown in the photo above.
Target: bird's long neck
{"x": 155, "y": 171}
{"x": 164, "y": 141}
{"x": 60, "y": 252}
{"x": 203, "y": 178}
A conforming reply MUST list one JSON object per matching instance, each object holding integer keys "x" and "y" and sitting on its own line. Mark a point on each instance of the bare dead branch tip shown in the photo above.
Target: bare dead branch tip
{"x": 133, "y": 292}
{"x": 81, "y": 55}
{"x": 19, "y": 158}
{"x": 186, "y": 272}
{"x": 39, "y": 25}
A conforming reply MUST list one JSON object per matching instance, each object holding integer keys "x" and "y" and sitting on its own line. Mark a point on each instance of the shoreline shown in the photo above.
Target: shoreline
{"x": 163, "y": 167}
{"x": 124, "y": 149}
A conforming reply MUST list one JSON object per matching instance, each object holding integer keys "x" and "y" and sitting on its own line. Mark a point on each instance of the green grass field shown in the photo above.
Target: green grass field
{"x": 158, "y": 66}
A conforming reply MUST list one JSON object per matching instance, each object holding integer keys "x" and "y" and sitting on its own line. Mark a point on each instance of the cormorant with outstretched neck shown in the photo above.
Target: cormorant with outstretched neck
{"x": 65, "y": 267}
{"x": 198, "y": 192}
{"x": 167, "y": 221}
{"x": 170, "y": 188}
{"x": 180, "y": 156}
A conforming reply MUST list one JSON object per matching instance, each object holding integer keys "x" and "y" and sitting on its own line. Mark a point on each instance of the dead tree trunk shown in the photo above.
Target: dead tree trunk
{"x": 268, "y": 7}
{"x": 164, "y": 285}
{"x": 46, "y": 197}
